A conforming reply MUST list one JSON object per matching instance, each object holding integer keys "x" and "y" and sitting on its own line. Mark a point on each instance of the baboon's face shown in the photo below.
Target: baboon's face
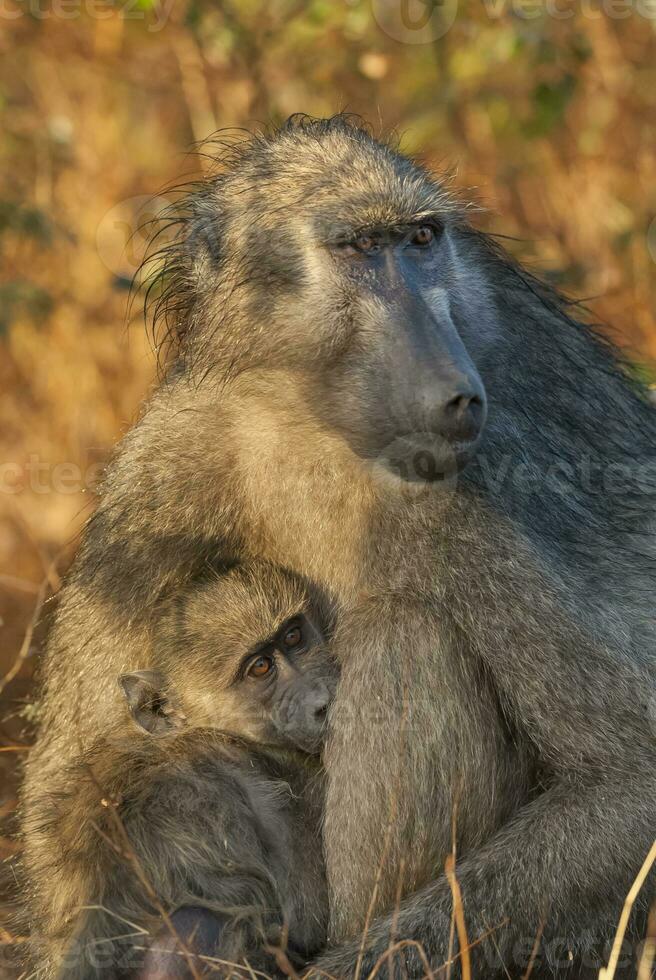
{"x": 341, "y": 265}
{"x": 282, "y": 688}
{"x": 243, "y": 654}
{"x": 403, "y": 389}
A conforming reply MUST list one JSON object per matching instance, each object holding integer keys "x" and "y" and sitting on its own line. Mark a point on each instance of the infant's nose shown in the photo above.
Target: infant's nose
{"x": 321, "y": 703}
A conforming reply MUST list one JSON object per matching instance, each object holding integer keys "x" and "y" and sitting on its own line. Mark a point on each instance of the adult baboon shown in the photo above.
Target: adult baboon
{"x": 207, "y": 810}
{"x": 335, "y": 319}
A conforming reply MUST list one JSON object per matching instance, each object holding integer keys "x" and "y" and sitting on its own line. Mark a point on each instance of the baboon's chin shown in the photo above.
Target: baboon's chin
{"x": 310, "y": 745}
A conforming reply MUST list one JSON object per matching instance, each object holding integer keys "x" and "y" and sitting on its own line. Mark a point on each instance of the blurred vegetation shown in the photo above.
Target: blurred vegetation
{"x": 545, "y": 109}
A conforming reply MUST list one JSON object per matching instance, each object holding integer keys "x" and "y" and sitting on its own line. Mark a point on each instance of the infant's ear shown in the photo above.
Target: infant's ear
{"x": 150, "y": 704}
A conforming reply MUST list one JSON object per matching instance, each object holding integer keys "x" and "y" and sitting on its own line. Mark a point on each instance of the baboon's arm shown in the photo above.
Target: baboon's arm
{"x": 566, "y": 859}
{"x": 552, "y": 863}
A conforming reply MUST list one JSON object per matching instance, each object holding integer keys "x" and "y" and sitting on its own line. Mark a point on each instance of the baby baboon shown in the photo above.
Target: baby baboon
{"x": 208, "y": 812}
{"x": 366, "y": 390}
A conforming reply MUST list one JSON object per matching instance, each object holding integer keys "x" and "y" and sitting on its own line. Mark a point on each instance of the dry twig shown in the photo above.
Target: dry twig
{"x": 608, "y": 972}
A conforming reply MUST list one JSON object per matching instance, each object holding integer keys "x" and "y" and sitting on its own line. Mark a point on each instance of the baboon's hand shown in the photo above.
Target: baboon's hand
{"x": 396, "y": 945}
{"x": 347, "y": 961}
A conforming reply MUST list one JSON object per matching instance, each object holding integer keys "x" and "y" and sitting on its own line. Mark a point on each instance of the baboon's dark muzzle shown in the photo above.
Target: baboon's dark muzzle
{"x": 438, "y": 391}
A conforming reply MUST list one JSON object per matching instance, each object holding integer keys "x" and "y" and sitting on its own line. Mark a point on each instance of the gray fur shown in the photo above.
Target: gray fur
{"x": 496, "y": 629}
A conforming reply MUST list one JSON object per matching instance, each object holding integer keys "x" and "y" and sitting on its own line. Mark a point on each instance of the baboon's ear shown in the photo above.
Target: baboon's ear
{"x": 150, "y": 705}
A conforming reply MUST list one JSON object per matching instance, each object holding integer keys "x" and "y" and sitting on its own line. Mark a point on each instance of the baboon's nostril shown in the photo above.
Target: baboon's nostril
{"x": 462, "y": 417}
{"x": 460, "y": 404}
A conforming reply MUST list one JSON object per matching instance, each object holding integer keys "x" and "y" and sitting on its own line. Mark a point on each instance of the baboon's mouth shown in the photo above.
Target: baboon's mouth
{"x": 424, "y": 457}
{"x": 310, "y": 745}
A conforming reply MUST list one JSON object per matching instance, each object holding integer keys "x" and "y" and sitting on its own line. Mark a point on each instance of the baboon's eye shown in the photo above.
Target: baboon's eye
{"x": 292, "y": 636}
{"x": 422, "y": 236}
{"x": 366, "y": 243}
{"x": 261, "y": 666}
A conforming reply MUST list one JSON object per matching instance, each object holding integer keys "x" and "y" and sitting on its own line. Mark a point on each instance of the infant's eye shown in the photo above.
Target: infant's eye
{"x": 293, "y": 636}
{"x": 261, "y": 666}
{"x": 423, "y": 236}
